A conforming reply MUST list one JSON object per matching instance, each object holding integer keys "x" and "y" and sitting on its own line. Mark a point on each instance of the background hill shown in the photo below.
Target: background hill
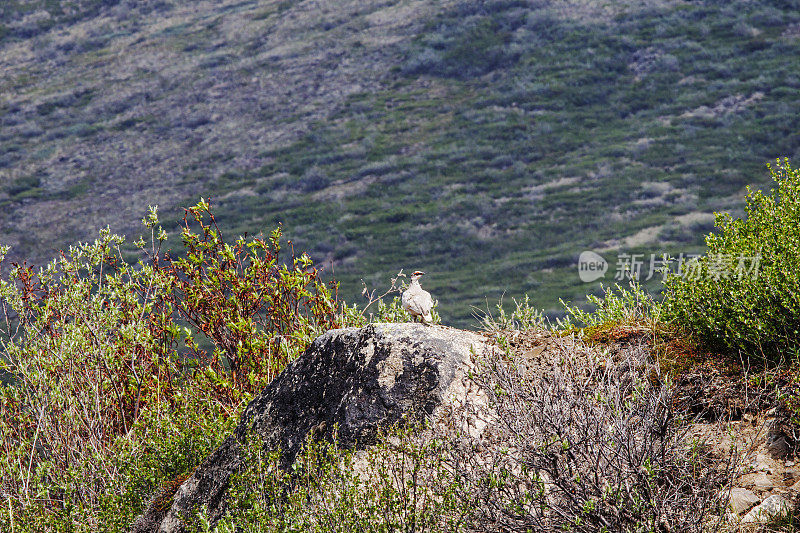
{"x": 487, "y": 143}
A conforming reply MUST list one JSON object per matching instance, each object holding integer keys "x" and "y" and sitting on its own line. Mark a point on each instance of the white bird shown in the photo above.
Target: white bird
{"x": 416, "y": 301}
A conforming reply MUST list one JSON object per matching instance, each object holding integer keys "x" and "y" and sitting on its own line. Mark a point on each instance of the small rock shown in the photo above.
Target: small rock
{"x": 773, "y": 507}
{"x": 758, "y": 481}
{"x": 762, "y": 463}
{"x": 742, "y": 500}
{"x": 777, "y": 445}
{"x": 791, "y": 475}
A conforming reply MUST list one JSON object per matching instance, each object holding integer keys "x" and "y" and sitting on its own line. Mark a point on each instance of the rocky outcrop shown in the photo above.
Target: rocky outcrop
{"x": 351, "y": 381}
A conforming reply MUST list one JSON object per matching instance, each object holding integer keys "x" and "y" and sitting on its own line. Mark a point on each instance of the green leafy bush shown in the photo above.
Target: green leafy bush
{"x": 80, "y": 352}
{"x": 523, "y": 317}
{"x": 744, "y": 294}
{"x": 617, "y": 306}
{"x": 257, "y": 311}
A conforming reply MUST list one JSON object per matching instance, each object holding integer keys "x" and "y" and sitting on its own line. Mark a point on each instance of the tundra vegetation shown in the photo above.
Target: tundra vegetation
{"x": 516, "y": 132}
{"x": 120, "y": 378}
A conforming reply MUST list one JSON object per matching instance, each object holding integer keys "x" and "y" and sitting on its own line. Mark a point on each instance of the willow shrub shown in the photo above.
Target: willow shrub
{"x": 109, "y": 393}
{"x": 744, "y": 294}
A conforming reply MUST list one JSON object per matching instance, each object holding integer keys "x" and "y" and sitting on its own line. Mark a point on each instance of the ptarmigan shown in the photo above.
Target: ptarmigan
{"x": 416, "y": 301}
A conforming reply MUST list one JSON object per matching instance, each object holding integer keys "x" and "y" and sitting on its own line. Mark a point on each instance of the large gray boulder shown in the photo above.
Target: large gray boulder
{"x": 357, "y": 380}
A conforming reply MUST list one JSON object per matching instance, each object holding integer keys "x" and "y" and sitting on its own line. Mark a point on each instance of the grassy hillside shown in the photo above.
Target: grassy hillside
{"x": 487, "y": 143}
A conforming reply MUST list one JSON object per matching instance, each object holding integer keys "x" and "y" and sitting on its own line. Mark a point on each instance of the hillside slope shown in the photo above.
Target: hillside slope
{"x": 487, "y": 143}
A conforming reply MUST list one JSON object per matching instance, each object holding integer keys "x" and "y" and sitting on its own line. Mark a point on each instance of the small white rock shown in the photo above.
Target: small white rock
{"x": 762, "y": 482}
{"x": 763, "y": 463}
{"x": 773, "y": 507}
{"x": 742, "y": 500}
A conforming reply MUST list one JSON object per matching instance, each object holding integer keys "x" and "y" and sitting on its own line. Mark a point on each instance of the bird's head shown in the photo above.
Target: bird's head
{"x": 416, "y": 275}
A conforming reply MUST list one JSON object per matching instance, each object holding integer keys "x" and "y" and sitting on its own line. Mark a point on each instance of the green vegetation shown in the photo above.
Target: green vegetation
{"x": 617, "y": 306}
{"x": 502, "y": 138}
{"x": 506, "y": 134}
{"x": 112, "y": 393}
{"x": 744, "y": 294}
{"x": 551, "y": 137}
{"x": 28, "y": 187}
{"x": 119, "y": 379}
{"x": 523, "y": 317}
{"x": 401, "y": 484}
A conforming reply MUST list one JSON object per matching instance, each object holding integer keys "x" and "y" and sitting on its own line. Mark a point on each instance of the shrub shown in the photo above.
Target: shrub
{"x": 744, "y": 294}
{"x": 521, "y": 318}
{"x": 400, "y": 484}
{"x": 80, "y": 355}
{"x": 472, "y": 44}
{"x": 257, "y": 311}
{"x": 107, "y": 393}
{"x": 585, "y": 445}
{"x": 313, "y": 180}
{"x": 617, "y": 306}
